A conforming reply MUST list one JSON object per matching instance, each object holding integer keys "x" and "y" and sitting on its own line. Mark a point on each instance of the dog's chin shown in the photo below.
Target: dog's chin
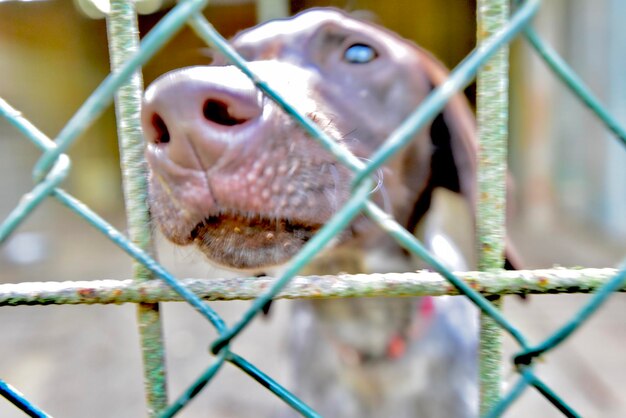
{"x": 243, "y": 242}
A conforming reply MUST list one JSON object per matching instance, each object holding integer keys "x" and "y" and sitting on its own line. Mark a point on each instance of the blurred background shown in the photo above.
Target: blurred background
{"x": 77, "y": 361}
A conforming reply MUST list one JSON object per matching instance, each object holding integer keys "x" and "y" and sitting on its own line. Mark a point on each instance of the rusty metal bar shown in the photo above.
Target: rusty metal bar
{"x": 123, "y": 43}
{"x": 548, "y": 281}
{"x": 492, "y": 117}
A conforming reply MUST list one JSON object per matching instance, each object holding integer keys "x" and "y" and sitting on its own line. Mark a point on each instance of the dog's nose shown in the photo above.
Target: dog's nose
{"x": 196, "y": 113}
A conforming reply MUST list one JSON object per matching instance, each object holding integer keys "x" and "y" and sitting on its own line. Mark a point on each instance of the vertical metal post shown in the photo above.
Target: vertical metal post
{"x": 492, "y": 115}
{"x": 123, "y": 42}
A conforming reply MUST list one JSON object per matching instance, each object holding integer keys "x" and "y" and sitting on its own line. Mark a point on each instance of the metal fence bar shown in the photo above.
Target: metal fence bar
{"x": 494, "y": 33}
{"x": 123, "y": 36}
{"x": 492, "y": 116}
{"x": 422, "y": 283}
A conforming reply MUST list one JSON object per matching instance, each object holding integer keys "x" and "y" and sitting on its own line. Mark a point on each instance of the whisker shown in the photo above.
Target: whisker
{"x": 335, "y": 175}
{"x": 380, "y": 187}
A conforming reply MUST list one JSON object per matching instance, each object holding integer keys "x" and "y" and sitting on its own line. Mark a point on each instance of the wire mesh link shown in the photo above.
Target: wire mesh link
{"x": 18, "y": 399}
{"x": 195, "y": 388}
{"x": 53, "y": 166}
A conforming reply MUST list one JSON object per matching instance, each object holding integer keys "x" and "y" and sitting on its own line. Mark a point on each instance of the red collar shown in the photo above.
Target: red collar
{"x": 399, "y": 342}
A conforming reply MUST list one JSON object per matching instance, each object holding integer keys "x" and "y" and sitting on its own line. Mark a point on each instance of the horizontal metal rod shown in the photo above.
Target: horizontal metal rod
{"x": 421, "y": 283}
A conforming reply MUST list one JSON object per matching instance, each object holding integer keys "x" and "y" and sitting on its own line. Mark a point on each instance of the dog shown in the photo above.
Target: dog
{"x": 231, "y": 173}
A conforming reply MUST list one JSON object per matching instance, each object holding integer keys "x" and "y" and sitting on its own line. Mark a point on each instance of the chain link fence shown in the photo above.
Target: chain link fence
{"x": 152, "y": 283}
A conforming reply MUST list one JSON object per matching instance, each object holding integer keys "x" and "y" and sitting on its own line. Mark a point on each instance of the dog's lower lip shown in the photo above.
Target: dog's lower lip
{"x": 253, "y": 226}
{"x": 251, "y": 241}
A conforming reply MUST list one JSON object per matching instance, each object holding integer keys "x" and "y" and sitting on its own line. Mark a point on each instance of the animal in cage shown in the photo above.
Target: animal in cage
{"x": 234, "y": 175}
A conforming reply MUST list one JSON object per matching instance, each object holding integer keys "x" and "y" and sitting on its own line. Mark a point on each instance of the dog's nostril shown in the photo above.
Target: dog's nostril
{"x": 217, "y": 111}
{"x": 162, "y": 134}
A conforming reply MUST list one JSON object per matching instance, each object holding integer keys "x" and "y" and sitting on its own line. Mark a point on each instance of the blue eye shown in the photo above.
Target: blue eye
{"x": 360, "y": 54}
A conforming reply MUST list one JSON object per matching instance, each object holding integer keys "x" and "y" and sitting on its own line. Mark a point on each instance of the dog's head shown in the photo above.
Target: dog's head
{"x": 233, "y": 174}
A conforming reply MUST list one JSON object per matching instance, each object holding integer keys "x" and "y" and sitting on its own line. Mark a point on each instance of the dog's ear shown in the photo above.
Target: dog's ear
{"x": 453, "y": 140}
{"x": 443, "y": 216}
{"x": 453, "y": 136}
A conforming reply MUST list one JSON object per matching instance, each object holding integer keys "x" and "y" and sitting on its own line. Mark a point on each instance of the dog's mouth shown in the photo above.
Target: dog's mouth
{"x": 251, "y": 241}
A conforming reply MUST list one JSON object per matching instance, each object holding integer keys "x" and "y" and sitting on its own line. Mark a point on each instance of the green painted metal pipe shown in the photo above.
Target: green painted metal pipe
{"x": 492, "y": 112}
{"x": 123, "y": 34}
{"x": 548, "y": 281}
